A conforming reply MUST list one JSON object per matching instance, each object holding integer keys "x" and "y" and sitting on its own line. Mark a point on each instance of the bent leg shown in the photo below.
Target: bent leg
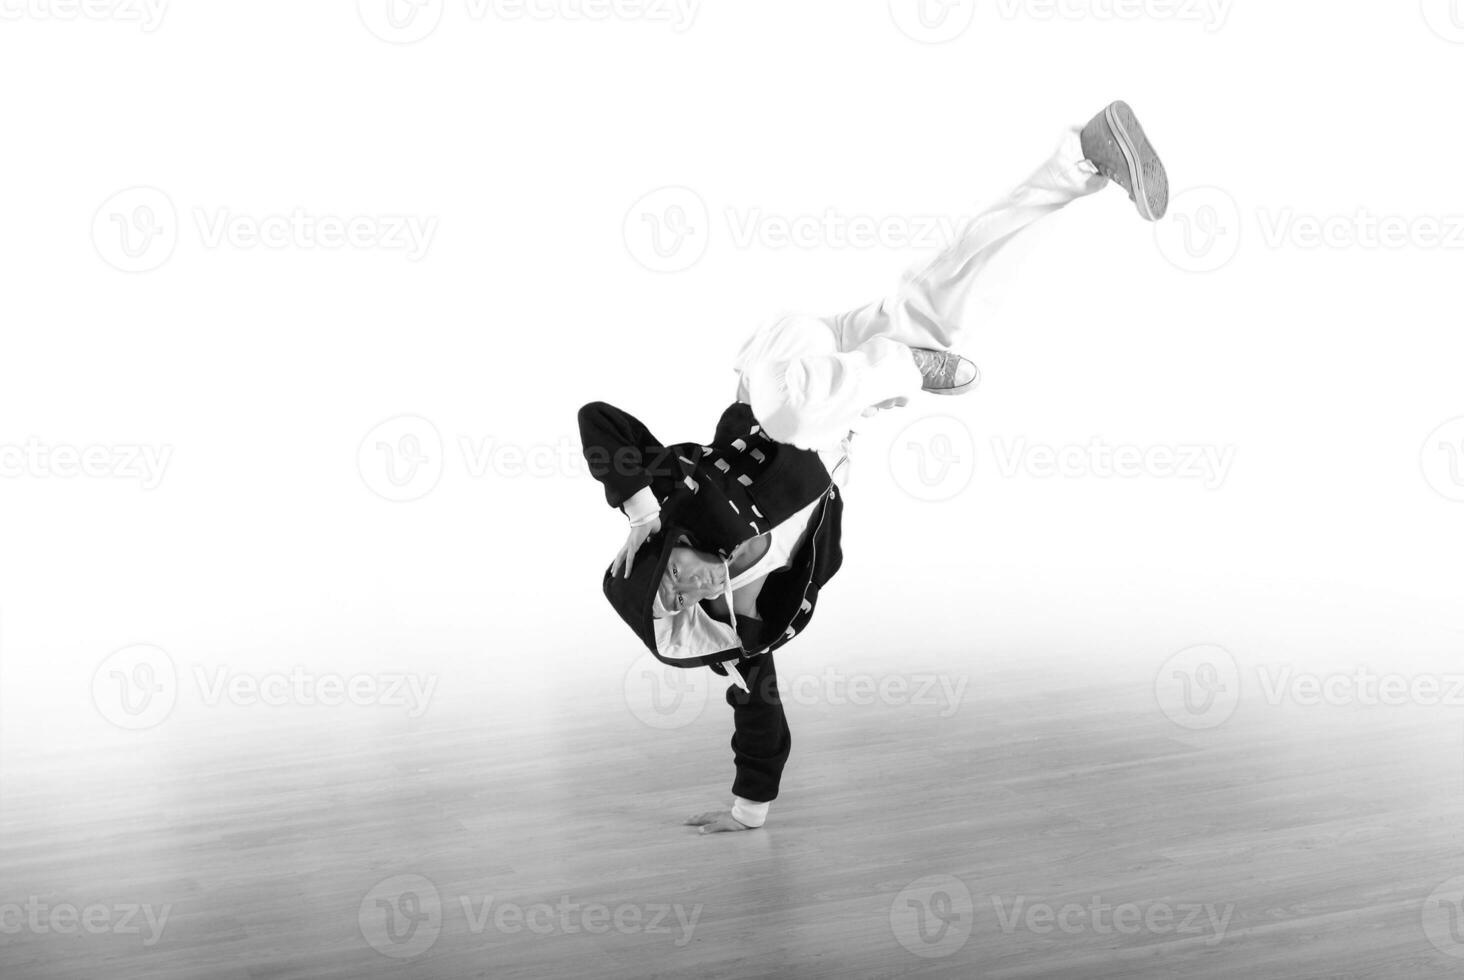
{"x": 808, "y": 392}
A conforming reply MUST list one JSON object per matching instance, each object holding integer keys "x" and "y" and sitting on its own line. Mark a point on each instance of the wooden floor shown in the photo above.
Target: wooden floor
{"x": 996, "y": 837}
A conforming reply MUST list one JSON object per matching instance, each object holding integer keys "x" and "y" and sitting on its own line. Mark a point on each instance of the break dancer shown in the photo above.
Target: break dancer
{"x": 731, "y": 540}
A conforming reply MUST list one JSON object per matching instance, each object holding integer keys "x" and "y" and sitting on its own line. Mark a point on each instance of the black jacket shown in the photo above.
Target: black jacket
{"x": 718, "y": 494}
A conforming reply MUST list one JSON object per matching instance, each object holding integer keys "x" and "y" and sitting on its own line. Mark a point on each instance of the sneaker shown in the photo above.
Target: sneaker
{"x": 945, "y": 373}
{"x": 1115, "y": 143}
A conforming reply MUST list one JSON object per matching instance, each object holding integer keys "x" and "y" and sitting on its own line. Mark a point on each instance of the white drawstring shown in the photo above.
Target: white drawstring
{"x": 732, "y": 673}
{"x": 727, "y": 591}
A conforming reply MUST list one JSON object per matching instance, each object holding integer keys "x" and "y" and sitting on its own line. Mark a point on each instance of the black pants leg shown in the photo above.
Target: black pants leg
{"x": 760, "y": 738}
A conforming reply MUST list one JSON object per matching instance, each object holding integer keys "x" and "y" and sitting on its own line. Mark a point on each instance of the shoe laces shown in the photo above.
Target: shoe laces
{"x": 939, "y": 367}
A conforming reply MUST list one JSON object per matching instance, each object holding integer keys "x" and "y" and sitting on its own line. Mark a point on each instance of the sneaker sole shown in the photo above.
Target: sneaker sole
{"x": 1147, "y": 175}
{"x": 961, "y": 390}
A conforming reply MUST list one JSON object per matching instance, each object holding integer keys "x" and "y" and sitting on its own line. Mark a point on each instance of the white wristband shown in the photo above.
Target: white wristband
{"x": 642, "y": 508}
{"x": 749, "y": 813}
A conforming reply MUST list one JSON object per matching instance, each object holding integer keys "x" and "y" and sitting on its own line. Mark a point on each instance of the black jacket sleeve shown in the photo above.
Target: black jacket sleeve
{"x": 622, "y": 453}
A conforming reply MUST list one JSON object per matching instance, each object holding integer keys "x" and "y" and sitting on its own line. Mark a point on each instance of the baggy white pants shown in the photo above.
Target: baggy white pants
{"x": 810, "y": 379}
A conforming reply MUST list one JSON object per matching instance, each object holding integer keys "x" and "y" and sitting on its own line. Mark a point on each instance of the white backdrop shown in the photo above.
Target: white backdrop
{"x": 262, "y": 260}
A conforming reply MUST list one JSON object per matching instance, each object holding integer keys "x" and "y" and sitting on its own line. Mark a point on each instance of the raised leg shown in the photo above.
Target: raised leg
{"x": 937, "y": 300}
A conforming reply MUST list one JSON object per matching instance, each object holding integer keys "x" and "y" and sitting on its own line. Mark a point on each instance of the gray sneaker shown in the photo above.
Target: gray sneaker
{"x": 1115, "y": 143}
{"x": 945, "y": 373}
